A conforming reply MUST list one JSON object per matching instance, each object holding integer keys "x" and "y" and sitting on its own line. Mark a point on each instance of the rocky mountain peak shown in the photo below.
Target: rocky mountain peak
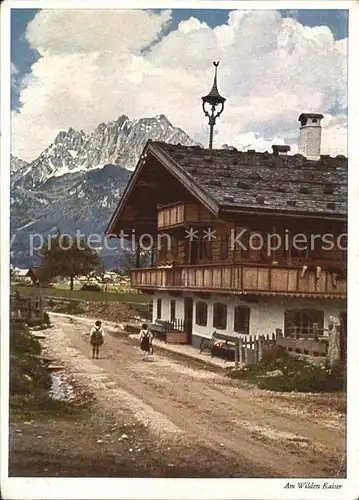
{"x": 17, "y": 164}
{"x": 163, "y": 118}
{"x": 63, "y": 185}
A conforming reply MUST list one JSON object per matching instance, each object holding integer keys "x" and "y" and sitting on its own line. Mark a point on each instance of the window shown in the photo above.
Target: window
{"x": 201, "y": 313}
{"x": 316, "y": 249}
{"x": 224, "y": 250}
{"x": 208, "y": 249}
{"x": 159, "y": 308}
{"x": 299, "y": 247}
{"x": 243, "y": 241}
{"x": 241, "y": 319}
{"x": 220, "y": 316}
{"x": 257, "y": 246}
{"x": 173, "y": 310}
{"x": 205, "y": 249}
{"x": 302, "y": 321}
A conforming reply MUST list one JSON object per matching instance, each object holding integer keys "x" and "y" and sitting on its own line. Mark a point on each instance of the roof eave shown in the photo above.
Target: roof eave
{"x": 178, "y": 172}
{"x": 124, "y": 197}
{"x": 188, "y": 181}
{"x": 289, "y": 213}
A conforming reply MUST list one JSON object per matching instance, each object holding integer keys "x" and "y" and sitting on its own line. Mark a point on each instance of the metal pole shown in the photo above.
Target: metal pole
{"x": 211, "y": 136}
{"x": 211, "y": 123}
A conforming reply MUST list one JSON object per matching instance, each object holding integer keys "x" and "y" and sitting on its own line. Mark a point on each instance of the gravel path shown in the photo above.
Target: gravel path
{"x": 201, "y": 416}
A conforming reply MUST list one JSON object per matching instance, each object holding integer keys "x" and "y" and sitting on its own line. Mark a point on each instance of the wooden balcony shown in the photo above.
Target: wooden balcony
{"x": 170, "y": 216}
{"x": 180, "y": 213}
{"x": 238, "y": 279}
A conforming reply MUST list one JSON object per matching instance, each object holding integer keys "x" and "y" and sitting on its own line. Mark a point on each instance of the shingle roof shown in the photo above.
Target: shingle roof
{"x": 265, "y": 181}
{"x": 35, "y": 271}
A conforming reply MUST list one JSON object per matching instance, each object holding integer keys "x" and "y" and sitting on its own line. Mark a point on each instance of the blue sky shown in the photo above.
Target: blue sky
{"x": 94, "y": 65}
{"x": 23, "y": 56}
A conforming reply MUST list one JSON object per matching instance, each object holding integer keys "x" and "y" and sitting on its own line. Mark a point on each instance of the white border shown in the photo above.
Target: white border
{"x": 184, "y": 4}
{"x": 90, "y": 488}
{"x": 4, "y": 232}
{"x": 353, "y": 250}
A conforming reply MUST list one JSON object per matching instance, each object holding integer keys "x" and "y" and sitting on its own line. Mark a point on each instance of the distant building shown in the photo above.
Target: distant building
{"x": 34, "y": 274}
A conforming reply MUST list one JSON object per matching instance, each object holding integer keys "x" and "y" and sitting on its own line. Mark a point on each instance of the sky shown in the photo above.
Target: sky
{"x": 78, "y": 68}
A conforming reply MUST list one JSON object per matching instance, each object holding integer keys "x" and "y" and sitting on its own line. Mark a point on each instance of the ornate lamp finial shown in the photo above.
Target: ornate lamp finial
{"x": 213, "y": 99}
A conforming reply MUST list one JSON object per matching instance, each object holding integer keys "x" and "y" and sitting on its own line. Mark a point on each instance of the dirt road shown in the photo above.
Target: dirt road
{"x": 243, "y": 430}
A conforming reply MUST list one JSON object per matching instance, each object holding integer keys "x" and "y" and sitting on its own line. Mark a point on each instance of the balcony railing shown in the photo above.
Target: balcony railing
{"x": 170, "y": 216}
{"x": 245, "y": 278}
{"x": 181, "y": 213}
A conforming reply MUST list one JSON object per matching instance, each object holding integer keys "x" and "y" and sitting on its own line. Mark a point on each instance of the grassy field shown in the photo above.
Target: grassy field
{"x": 88, "y": 296}
{"x": 109, "y": 287}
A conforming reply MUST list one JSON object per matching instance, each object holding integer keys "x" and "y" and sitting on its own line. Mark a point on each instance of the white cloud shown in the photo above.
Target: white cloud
{"x": 13, "y": 69}
{"x": 87, "y": 31}
{"x": 334, "y": 136}
{"x": 14, "y": 74}
{"x": 97, "y": 65}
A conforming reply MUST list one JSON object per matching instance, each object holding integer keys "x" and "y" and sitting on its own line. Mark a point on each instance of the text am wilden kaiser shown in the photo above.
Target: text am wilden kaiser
{"x": 307, "y": 485}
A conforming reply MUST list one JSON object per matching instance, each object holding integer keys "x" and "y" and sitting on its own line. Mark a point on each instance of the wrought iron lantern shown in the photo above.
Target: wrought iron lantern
{"x": 213, "y": 105}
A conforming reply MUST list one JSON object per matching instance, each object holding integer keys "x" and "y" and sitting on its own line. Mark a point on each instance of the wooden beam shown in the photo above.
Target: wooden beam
{"x": 137, "y": 255}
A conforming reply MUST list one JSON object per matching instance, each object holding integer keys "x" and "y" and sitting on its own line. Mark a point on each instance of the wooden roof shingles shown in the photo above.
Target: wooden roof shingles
{"x": 255, "y": 180}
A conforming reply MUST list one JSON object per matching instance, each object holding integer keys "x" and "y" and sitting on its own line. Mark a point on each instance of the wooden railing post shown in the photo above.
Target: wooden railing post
{"x": 315, "y": 331}
{"x": 260, "y": 348}
{"x": 236, "y": 353}
{"x": 247, "y": 340}
{"x": 240, "y": 347}
{"x": 137, "y": 255}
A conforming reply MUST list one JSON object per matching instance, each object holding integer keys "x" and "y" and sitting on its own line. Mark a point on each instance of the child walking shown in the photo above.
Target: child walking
{"x": 96, "y": 338}
{"x": 145, "y": 340}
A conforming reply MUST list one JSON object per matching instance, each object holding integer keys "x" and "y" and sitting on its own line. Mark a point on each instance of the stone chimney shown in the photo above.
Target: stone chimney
{"x": 280, "y": 149}
{"x": 310, "y": 135}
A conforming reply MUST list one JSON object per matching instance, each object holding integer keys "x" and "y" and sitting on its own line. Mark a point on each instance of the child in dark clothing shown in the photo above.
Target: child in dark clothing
{"x": 145, "y": 340}
{"x": 96, "y": 338}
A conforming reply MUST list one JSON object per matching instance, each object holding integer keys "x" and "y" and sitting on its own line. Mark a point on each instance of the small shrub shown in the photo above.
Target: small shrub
{"x": 27, "y": 375}
{"x": 91, "y": 287}
{"x": 286, "y": 373}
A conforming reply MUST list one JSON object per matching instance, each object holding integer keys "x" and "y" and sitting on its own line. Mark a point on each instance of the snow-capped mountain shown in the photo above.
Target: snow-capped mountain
{"x": 120, "y": 143}
{"x": 76, "y": 182}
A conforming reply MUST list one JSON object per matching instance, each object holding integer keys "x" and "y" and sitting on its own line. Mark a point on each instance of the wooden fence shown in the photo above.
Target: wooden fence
{"x": 312, "y": 350}
{"x": 251, "y": 349}
{"x": 176, "y": 332}
{"x": 28, "y": 309}
{"x": 177, "y": 325}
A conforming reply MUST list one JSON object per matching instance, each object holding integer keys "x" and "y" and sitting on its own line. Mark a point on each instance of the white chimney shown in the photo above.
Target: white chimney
{"x": 310, "y": 135}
